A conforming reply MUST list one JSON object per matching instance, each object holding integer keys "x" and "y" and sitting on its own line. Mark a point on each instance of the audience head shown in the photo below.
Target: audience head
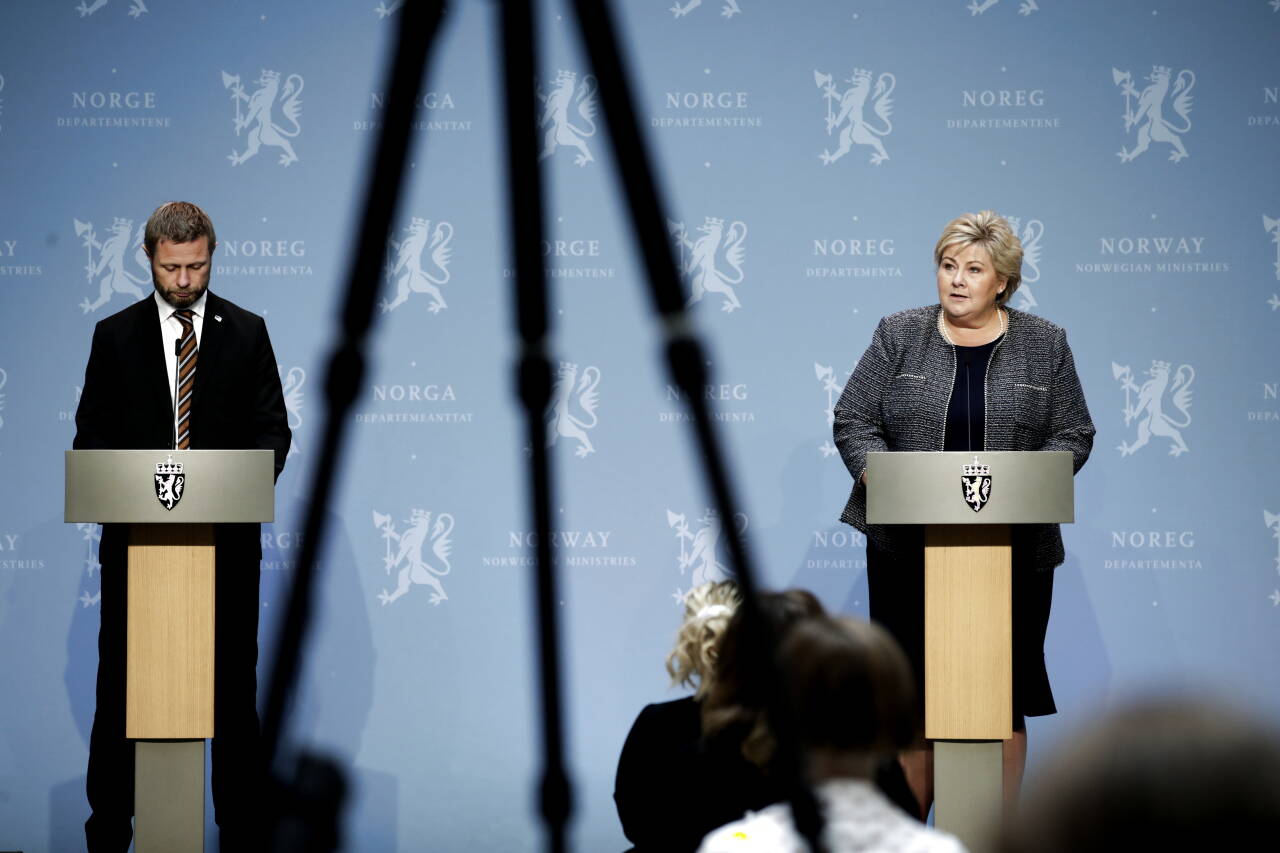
{"x": 738, "y": 698}
{"x": 707, "y": 611}
{"x": 850, "y": 687}
{"x": 1176, "y": 774}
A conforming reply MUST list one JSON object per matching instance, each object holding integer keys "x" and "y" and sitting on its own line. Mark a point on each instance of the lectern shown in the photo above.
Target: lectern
{"x": 170, "y": 499}
{"x": 967, "y": 502}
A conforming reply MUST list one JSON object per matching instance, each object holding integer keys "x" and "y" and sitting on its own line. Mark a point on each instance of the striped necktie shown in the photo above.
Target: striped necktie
{"x": 187, "y": 353}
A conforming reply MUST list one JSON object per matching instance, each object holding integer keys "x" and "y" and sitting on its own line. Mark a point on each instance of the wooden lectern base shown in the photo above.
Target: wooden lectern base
{"x": 169, "y": 675}
{"x": 968, "y": 616}
{"x": 169, "y": 681}
{"x": 968, "y": 674}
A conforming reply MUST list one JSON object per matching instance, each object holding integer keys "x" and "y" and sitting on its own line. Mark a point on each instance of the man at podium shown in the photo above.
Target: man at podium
{"x": 182, "y": 369}
{"x": 966, "y": 374}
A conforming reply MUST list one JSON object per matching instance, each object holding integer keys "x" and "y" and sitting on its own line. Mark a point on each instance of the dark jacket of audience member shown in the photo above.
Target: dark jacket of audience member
{"x": 673, "y": 785}
{"x": 670, "y": 786}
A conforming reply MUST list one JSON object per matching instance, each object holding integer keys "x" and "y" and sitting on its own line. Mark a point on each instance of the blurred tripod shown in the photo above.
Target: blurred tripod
{"x": 418, "y": 26}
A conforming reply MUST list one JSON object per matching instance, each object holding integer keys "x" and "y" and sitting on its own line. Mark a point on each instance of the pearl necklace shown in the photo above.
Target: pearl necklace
{"x": 942, "y": 326}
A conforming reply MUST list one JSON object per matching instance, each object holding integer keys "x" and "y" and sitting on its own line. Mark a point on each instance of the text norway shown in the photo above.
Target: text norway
{"x": 1150, "y": 245}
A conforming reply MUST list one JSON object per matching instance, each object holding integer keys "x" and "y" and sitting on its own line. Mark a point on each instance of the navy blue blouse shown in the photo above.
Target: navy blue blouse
{"x": 966, "y": 414}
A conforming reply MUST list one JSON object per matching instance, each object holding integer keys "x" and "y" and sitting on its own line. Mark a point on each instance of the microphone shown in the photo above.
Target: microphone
{"x": 177, "y": 351}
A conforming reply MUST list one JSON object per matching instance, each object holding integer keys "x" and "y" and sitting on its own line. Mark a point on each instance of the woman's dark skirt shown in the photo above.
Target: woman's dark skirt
{"x": 895, "y": 582}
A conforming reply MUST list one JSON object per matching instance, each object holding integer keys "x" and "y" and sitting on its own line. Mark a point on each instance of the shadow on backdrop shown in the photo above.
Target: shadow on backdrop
{"x": 834, "y": 564}
{"x": 335, "y": 695}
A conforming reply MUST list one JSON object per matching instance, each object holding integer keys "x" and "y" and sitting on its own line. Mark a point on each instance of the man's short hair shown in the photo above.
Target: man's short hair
{"x": 178, "y": 222}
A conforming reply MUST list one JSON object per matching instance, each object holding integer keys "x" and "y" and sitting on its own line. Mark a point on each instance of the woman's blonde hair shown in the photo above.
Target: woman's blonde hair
{"x": 707, "y": 611}
{"x": 991, "y": 231}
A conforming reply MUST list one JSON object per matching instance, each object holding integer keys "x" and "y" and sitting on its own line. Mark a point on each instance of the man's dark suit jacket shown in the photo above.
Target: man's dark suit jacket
{"x": 237, "y": 404}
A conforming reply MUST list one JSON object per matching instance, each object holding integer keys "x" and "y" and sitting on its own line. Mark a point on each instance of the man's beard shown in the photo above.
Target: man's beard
{"x": 179, "y": 298}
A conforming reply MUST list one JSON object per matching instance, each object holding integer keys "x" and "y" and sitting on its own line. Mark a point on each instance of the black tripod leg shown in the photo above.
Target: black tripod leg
{"x": 519, "y": 43}
{"x": 686, "y": 361}
{"x": 419, "y": 23}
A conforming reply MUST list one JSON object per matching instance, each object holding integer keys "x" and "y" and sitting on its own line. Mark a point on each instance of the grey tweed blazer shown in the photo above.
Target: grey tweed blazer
{"x": 898, "y": 395}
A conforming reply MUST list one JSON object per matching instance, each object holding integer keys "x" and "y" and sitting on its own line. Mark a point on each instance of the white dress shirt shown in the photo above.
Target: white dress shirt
{"x": 170, "y": 334}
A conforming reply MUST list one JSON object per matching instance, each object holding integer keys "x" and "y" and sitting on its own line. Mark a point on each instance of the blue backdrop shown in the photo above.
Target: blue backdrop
{"x": 810, "y": 154}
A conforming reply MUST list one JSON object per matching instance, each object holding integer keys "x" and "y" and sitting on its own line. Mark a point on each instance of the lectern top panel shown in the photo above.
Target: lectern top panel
{"x": 985, "y": 487}
{"x": 170, "y": 486}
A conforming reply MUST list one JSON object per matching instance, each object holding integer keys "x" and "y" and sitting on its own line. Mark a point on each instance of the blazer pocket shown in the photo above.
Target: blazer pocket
{"x": 1031, "y": 414}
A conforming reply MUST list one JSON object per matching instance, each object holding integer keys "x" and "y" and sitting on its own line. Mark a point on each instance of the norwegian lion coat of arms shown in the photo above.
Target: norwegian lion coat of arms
{"x": 291, "y": 384}
{"x": 1148, "y": 408}
{"x": 110, "y": 266}
{"x": 258, "y": 118}
{"x": 826, "y": 374}
{"x": 1272, "y": 227}
{"x": 700, "y": 259}
{"x": 975, "y": 485}
{"x": 573, "y": 407}
{"x": 137, "y": 8}
{"x": 408, "y": 265}
{"x": 699, "y": 550}
{"x": 854, "y": 128}
{"x": 170, "y": 481}
{"x": 560, "y": 128}
{"x": 1148, "y": 117}
{"x": 728, "y": 10}
{"x": 977, "y": 7}
{"x": 1030, "y": 235}
{"x": 1272, "y": 520}
{"x": 411, "y": 558}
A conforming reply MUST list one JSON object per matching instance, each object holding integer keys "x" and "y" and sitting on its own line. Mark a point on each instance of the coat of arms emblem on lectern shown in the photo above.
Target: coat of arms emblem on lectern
{"x": 169, "y": 482}
{"x": 976, "y": 485}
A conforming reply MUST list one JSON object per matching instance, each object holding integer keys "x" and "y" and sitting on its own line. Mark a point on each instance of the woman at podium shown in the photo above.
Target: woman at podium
{"x": 967, "y": 373}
